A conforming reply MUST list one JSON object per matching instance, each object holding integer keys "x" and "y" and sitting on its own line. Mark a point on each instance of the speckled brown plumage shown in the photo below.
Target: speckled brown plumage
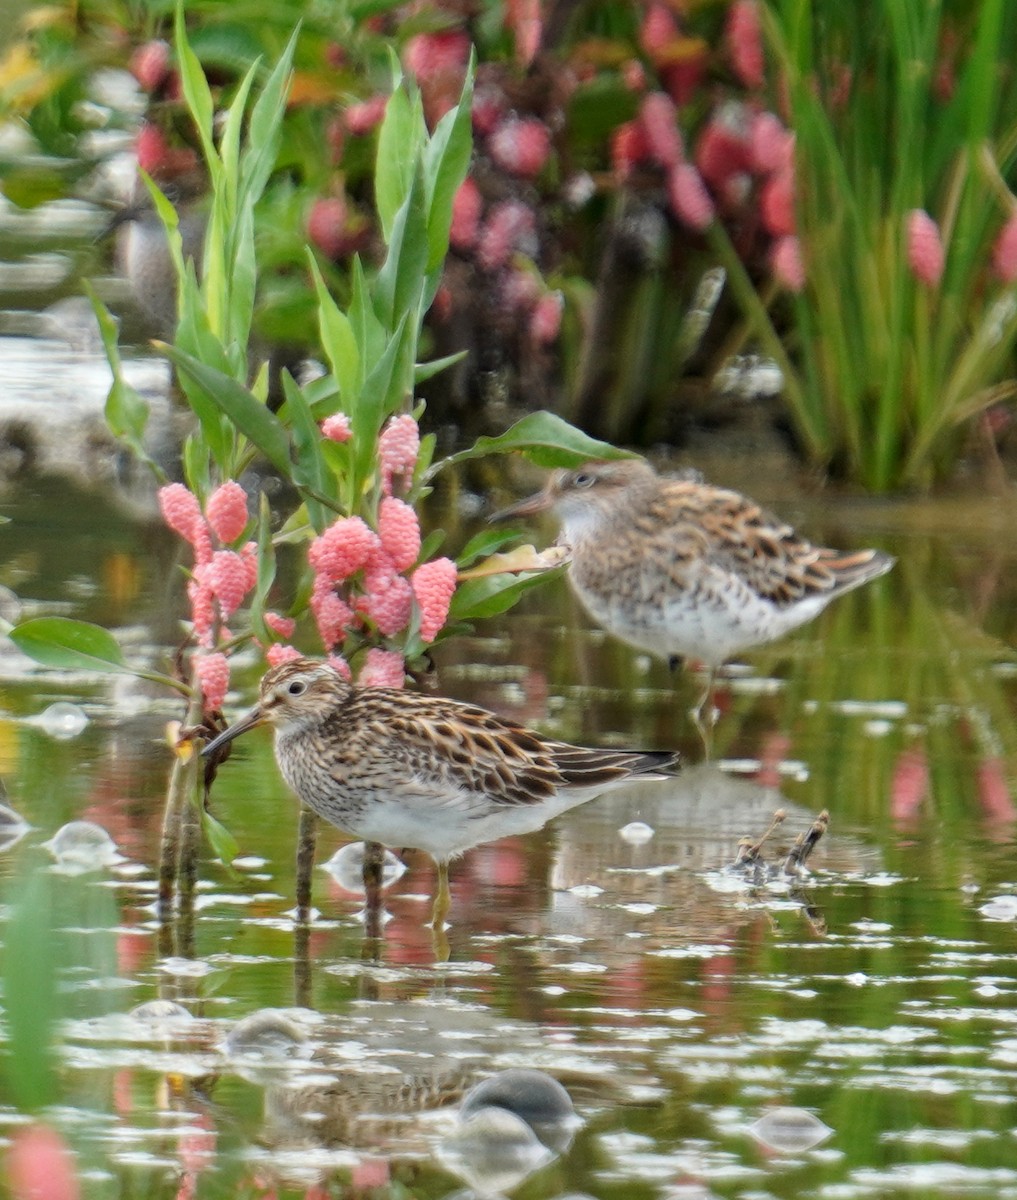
{"x": 406, "y": 769}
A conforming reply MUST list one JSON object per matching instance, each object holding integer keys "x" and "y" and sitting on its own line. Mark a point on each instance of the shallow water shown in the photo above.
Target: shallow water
{"x": 852, "y": 1035}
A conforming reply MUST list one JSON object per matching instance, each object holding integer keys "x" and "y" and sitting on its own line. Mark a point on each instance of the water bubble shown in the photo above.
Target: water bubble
{"x": 790, "y": 1130}
{"x": 63, "y": 720}
{"x": 346, "y": 867}
{"x": 493, "y": 1151}
{"x": 161, "y": 1011}
{"x": 533, "y": 1096}
{"x": 81, "y": 846}
{"x": 268, "y": 1035}
{"x": 1000, "y": 908}
{"x": 636, "y": 833}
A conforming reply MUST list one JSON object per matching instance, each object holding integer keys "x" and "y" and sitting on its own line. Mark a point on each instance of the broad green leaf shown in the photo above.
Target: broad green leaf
{"x": 310, "y": 473}
{"x": 427, "y": 370}
{"x": 196, "y": 339}
{"x": 69, "y": 645}
{"x": 243, "y": 283}
{"x": 492, "y": 594}
{"x": 399, "y": 141}
{"x": 223, "y": 843}
{"x": 487, "y": 541}
{"x": 339, "y": 343}
{"x": 126, "y": 412}
{"x": 399, "y": 283}
{"x": 253, "y": 419}
{"x": 232, "y": 132}
{"x": 196, "y": 90}
{"x": 367, "y": 329}
{"x": 545, "y": 439}
{"x": 265, "y": 130}
{"x": 446, "y": 161}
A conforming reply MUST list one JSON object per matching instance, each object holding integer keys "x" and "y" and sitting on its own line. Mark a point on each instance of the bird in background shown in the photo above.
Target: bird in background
{"x": 418, "y": 771}
{"x": 683, "y": 569}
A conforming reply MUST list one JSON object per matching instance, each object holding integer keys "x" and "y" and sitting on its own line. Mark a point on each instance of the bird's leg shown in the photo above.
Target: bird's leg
{"x": 442, "y": 904}
{"x": 307, "y": 833}
{"x": 704, "y": 715}
{"x": 374, "y": 863}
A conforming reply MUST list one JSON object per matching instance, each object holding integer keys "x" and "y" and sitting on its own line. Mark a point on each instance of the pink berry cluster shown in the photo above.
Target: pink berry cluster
{"x": 366, "y": 580}
{"x": 926, "y": 252}
{"x": 222, "y": 575}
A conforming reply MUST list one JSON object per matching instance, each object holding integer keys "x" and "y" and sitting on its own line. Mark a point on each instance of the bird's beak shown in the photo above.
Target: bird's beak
{"x": 254, "y": 717}
{"x": 524, "y": 508}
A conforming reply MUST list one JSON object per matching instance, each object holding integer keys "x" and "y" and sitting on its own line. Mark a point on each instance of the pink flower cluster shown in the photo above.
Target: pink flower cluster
{"x": 364, "y": 578}
{"x": 221, "y": 577}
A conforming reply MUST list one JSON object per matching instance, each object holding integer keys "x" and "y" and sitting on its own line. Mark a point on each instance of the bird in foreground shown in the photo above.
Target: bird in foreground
{"x": 683, "y": 569}
{"x": 426, "y": 772}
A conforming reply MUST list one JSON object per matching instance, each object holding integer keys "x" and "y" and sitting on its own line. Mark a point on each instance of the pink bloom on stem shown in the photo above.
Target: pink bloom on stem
{"x": 545, "y": 320}
{"x": 281, "y": 626}
{"x": 659, "y": 119}
{"x": 343, "y": 548}
{"x": 249, "y": 557}
{"x": 279, "y": 653}
{"x": 723, "y": 148}
{"x": 488, "y": 108}
{"x": 633, "y": 75}
{"x": 926, "y": 255}
{"x": 786, "y": 262}
{"x": 690, "y": 201}
{"x": 521, "y": 146}
{"x": 202, "y": 600}
{"x": 389, "y": 607}
{"x": 40, "y": 1165}
{"x": 433, "y": 585}
{"x": 524, "y": 18}
{"x": 771, "y": 145}
{"x": 398, "y": 447}
{"x": 332, "y": 615}
{"x": 340, "y": 666}
{"x": 745, "y": 40}
{"x": 510, "y": 227}
{"x": 629, "y": 147}
{"x": 657, "y": 32}
{"x": 363, "y": 116}
{"x": 227, "y": 511}
{"x": 399, "y": 531}
{"x": 213, "y": 671}
{"x": 180, "y": 510}
{"x": 682, "y": 77}
{"x": 227, "y": 576}
{"x": 382, "y": 668}
{"x": 151, "y": 64}
{"x": 431, "y": 55}
{"x": 467, "y": 205}
{"x": 519, "y": 290}
{"x": 777, "y": 204}
{"x": 337, "y": 427}
{"x": 1004, "y": 252}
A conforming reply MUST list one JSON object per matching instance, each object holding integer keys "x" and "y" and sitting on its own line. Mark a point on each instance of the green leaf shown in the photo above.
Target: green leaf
{"x": 69, "y": 645}
{"x": 487, "y": 541}
{"x": 223, "y": 843}
{"x": 545, "y": 439}
{"x": 383, "y": 391}
{"x": 265, "y": 131}
{"x": 427, "y": 370}
{"x": 446, "y": 161}
{"x": 252, "y": 418}
{"x": 196, "y": 90}
{"x": 492, "y": 594}
{"x": 311, "y": 472}
{"x": 399, "y": 283}
{"x": 31, "y": 1002}
{"x": 339, "y": 343}
{"x": 399, "y": 139}
{"x": 266, "y": 571}
{"x": 367, "y": 329}
{"x": 126, "y": 412}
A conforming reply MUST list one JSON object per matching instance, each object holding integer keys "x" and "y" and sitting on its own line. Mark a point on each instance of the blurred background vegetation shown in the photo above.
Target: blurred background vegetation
{"x": 680, "y": 214}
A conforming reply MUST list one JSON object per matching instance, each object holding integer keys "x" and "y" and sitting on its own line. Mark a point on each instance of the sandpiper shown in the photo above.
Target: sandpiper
{"x": 683, "y": 569}
{"x": 433, "y": 774}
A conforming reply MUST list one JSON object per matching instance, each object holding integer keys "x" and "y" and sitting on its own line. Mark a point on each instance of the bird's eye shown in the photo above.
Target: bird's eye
{"x": 297, "y": 687}
{"x": 582, "y": 479}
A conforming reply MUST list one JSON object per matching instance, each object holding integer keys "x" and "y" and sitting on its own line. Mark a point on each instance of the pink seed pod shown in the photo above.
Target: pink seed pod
{"x": 467, "y": 206}
{"x": 745, "y": 42}
{"x": 151, "y": 64}
{"x": 629, "y": 147}
{"x": 786, "y": 262}
{"x": 687, "y": 195}
{"x": 331, "y": 614}
{"x": 227, "y": 576}
{"x": 771, "y": 145}
{"x": 180, "y": 510}
{"x": 1004, "y": 252}
{"x": 365, "y": 115}
{"x": 521, "y": 146}
{"x": 398, "y": 447}
{"x": 213, "y": 671}
{"x": 429, "y": 56}
{"x": 545, "y": 320}
{"x": 337, "y": 428}
{"x": 777, "y": 204}
{"x": 659, "y": 119}
{"x": 283, "y": 627}
{"x": 342, "y": 549}
{"x": 510, "y": 228}
{"x": 399, "y": 531}
{"x": 657, "y": 32}
{"x": 202, "y": 600}
{"x": 389, "y": 607}
{"x": 722, "y": 149}
{"x": 227, "y": 511}
{"x": 382, "y": 668}
{"x": 278, "y": 653}
{"x": 433, "y": 586}
{"x": 926, "y": 255}
{"x": 340, "y": 666}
